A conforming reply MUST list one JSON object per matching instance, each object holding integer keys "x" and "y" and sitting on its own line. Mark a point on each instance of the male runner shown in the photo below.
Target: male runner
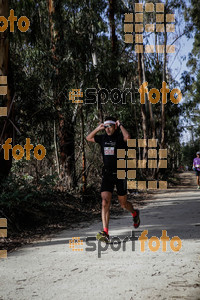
{"x": 196, "y": 168}
{"x": 112, "y": 140}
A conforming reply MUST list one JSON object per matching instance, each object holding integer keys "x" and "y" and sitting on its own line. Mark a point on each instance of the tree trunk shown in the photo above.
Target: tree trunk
{"x": 114, "y": 45}
{"x": 143, "y": 110}
{"x": 142, "y": 106}
{"x": 83, "y": 152}
{"x": 65, "y": 126}
{"x": 94, "y": 63}
{"x": 164, "y": 79}
{"x": 55, "y": 146}
{"x": 113, "y": 38}
{"x": 152, "y": 121}
{"x": 5, "y": 165}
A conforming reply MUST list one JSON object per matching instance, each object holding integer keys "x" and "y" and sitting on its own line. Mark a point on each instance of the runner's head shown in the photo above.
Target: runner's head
{"x": 110, "y": 125}
{"x": 198, "y": 154}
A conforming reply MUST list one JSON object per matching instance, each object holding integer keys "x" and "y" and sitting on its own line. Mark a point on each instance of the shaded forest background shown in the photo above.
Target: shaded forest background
{"x": 79, "y": 45}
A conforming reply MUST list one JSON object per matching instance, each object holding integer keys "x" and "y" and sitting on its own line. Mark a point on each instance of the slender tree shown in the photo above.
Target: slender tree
{"x": 65, "y": 126}
{"x": 6, "y": 129}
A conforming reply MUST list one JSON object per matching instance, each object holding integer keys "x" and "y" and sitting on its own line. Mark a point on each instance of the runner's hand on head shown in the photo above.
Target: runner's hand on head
{"x": 118, "y": 123}
{"x": 101, "y": 127}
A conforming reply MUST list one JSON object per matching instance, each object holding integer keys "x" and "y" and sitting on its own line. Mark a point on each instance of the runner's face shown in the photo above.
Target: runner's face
{"x": 110, "y": 130}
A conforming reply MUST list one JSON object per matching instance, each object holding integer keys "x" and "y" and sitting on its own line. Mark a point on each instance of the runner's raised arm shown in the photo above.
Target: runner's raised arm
{"x": 125, "y": 133}
{"x": 90, "y": 137}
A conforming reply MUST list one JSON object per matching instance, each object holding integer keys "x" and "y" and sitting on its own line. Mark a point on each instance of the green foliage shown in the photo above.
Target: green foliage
{"x": 191, "y": 80}
{"x": 42, "y": 72}
{"x": 189, "y": 153}
{"x": 20, "y": 191}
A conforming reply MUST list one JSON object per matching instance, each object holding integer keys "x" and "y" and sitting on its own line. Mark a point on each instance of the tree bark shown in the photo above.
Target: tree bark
{"x": 164, "y": 79}
{"x": 143, "y": 110}
{"x": 83, "y": 152}
{"x": 5, "y": 165}
{"x": 55, "y": 146}
{"x": 94, "y": 63}
{"x": 152, "y": 121}
{"x": 142, "y": 106}
{"x": 65, "y": 126}
{"x": 113, "y": 37}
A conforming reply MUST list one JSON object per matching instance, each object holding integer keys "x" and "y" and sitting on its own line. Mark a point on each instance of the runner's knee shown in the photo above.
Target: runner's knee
{"x": 105, "y": 202}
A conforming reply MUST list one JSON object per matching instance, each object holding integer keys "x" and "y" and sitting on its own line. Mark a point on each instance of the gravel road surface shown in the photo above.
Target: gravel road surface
{"x": 50, "y": 269}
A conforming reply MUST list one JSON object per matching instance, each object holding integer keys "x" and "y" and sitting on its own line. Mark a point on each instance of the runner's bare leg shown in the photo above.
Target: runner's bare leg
{"x": 125, "y": 204}
{"x": 105, "y": 213}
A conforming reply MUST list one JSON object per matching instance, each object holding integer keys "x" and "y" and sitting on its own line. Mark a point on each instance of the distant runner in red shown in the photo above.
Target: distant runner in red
{"x": 196, "y": 168}
{"x": 112, "y": 140}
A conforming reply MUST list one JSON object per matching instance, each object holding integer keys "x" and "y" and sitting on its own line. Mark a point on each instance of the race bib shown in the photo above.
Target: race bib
{"x": 109, "y": 150}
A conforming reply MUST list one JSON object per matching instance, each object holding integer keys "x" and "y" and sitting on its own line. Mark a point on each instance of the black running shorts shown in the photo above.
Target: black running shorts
{"x": 197, "y": 173}
{"x": 109, "y": 180}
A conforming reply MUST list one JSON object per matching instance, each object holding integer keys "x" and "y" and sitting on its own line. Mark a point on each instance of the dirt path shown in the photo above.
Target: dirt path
{"x": 50, "y": 269}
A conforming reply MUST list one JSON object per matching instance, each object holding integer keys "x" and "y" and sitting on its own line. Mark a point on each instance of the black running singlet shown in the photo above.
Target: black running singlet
{"x": 109, "y": 145}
